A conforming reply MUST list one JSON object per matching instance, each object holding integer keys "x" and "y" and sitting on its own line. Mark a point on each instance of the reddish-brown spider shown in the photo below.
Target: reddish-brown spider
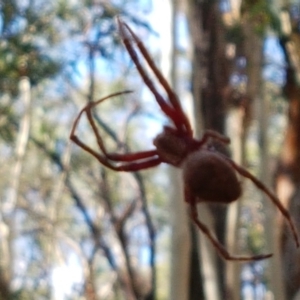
{"x": 208, "y": 175}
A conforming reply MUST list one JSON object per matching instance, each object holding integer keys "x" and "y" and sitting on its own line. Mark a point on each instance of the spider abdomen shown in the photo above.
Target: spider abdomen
{"x": 210, "y": 177}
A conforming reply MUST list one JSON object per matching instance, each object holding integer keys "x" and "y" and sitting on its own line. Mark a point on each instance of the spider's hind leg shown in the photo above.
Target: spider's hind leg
{"x": 220, "y": 248}
{"x": 191, "y": 200}
{"x": 271, "y": 196}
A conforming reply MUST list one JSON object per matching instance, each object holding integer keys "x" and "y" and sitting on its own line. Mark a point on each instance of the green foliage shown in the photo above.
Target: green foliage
{"x": 8, "y": 123}
{"x": 24, "y": 30}
{"x": 234, "y": 34}
{"x": 20, "y": 58}
{"x": 261, "y": 15}
{"x": 256, "y": 239}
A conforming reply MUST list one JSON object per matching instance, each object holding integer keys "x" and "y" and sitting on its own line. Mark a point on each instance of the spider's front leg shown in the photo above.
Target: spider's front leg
{"x": 172, "y": 108}
{"x": 191, "y": 200}
{"x": 211, "y": 134}
{"x": 127, "y": 162}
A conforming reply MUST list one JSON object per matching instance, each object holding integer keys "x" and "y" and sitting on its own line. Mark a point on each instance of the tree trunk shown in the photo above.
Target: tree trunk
{"x": 288, "y": 188}
{"x": 254, "y": 53}
{"x": 209, "y": 83}
{"x": 180, "y": 240}
{"x": 13, "y": 190}
{"x": 287, "y": 177}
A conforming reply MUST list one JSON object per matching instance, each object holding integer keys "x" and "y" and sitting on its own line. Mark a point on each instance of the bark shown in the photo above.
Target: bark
{"x": 287, "y": 177}
{"x": 258, "y": 110}
{"x": 288, "y": 188}
{"x": 180, "y": 239}
{"x": 236, "y": 132}
{"x": 209, "y": 83}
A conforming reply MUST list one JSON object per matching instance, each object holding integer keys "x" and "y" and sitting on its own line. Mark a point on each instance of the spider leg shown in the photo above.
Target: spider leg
{"x": 133, "y": 161}
{"x": 174, "y": 112}
{"x": 113, "y": 156}
{"x": 172, "y": 96}
{"x": 217, "y": 245}
{"x": 156, "y": 71}
{"x": 271, "y": 196}
{"x": 89, "y": 106}
{"x": 213, "y": 135}
{"x": 130, "y": 166}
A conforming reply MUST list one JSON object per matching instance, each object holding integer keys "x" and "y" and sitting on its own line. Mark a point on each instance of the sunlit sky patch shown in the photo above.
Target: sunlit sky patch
{"x": 274, "y": 65}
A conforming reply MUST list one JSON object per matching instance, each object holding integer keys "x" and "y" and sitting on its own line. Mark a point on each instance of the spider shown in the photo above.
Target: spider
{"x": 208, "y": 175}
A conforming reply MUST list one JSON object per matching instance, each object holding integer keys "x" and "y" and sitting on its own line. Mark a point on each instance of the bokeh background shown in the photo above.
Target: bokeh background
{"x": 73, "y": 229}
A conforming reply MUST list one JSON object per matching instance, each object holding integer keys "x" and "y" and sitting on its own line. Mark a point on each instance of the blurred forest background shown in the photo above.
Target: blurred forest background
{"x": 72, "y": 229}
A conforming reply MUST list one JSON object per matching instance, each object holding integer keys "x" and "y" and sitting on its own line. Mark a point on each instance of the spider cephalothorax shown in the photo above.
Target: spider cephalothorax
{"x": 173, "y": 147}
{"x": 208, "y": 174}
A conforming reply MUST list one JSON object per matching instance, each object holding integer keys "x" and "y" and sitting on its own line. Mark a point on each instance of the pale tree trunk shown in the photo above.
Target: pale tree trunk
{"x": 254, "y": 54}
{"x": 180, "y": 240}
{"x": 271, "y": 220}
{"x": 238, "y": 122}
{"x": 207, "y": 257}
{"x": 235, "y": 130}
{"x": 21, "y": 143}
{"x": 8, "y": 208}
{"x": 255, "y": 106}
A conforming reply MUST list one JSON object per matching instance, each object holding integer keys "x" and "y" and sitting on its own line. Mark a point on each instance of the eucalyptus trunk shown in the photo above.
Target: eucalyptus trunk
{"x": 209, "y": 84}
{"x": 180, "y": 240}
{"x": 287, "y": 177}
